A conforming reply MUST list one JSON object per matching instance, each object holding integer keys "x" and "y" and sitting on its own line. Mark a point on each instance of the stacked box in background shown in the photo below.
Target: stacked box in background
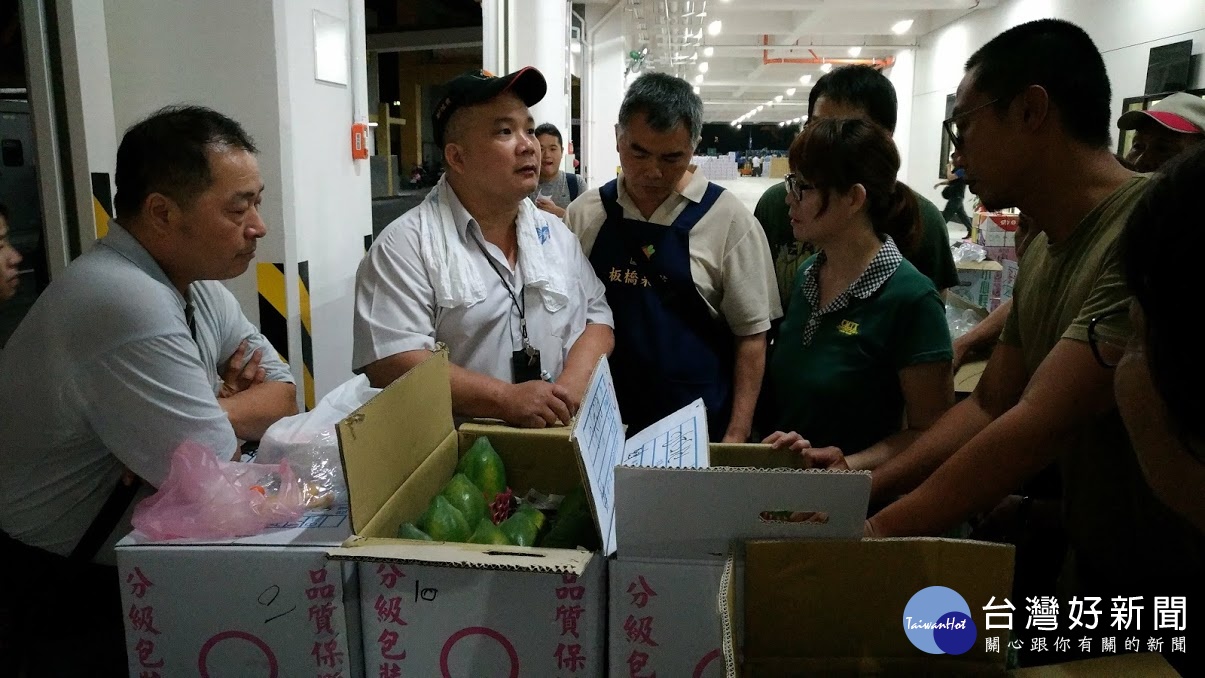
{"x": 989, "y": 283}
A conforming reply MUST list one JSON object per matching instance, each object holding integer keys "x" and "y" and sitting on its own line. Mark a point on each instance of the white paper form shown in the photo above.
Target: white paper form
{"x": 678, "y": 441}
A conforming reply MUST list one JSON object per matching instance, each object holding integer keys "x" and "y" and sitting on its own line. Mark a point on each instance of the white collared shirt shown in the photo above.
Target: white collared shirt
{"x": 396, "y": 309}
{"x": 730, "y": 261}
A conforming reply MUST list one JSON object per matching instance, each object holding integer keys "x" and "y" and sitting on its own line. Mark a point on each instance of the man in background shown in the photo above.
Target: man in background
{"x": 1164, "y": 130}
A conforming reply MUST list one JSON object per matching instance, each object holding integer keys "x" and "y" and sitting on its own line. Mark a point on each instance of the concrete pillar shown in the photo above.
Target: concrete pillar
{"x": 538, "y": 35}
{"x": 604, "y": 50}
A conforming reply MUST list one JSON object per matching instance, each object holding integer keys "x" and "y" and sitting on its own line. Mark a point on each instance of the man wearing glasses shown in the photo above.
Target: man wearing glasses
{"x": 1031, "y": 125}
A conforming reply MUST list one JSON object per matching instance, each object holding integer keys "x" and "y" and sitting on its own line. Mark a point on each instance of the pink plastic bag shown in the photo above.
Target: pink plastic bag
{"x": 204, "y": 498}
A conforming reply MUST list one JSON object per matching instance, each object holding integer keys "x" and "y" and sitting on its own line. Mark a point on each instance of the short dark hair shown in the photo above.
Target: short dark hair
{"x": 3, "y": 211}
{"x": 1059, "y": 57}
{"x": 862, "y": 86}
{"x": 550, "y": 129}
{"x": 665, "y": 101}
{"x": 1159, "y": 270}
{"x": 836, "y": 154}
{"x": 166, "y": 153}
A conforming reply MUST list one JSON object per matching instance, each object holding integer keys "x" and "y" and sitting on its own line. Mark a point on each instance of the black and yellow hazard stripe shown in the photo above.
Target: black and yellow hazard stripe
{"x": 307, "y": 342}
{"x": 102, "y": 202}
{"x": 274, "y": 318}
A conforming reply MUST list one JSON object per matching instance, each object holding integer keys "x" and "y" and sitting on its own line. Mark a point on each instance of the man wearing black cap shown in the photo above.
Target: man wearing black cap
{"x": 480, "y": 269}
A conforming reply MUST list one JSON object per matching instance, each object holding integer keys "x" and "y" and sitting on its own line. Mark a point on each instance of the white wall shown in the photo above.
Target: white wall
{"x": 539, "y": 37}
{"x": 1123, "y": 31}
{"x": 332, "y": 194}
{"x": 901, "y": 74}
{"x": 605, "y": 51}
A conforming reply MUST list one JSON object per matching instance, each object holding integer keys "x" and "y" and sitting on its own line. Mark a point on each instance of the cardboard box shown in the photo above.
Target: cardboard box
{"x": 434, "y": 608}
{"x": 996, "y": 229}
{"x": 838, "y": 607}
{"x": 271, "y": 604}
{"x": 980, "y": 282}
{"x": 672, "y": 528}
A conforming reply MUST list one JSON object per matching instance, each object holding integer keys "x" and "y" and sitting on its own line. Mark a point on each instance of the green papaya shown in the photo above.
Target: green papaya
{"x": 574, "y": 525}
{"x": 409, "y": 531}
{"x": 488, "y": 533}
{"x": 445, "y": 522}
{"x": 537, "y": 518}
{"x": 482, "y": 465}
{"x": 466, "y": 497}
{"x": 520, "y": 529}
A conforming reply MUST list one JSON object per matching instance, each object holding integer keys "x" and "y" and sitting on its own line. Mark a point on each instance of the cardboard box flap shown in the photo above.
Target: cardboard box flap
{"x": 697, "y": 513}
{"x": 844, "y": 602}
{"x": 382, "y": 443}
{"x": 598, "y": 439}
{"x": 471, "y": 556}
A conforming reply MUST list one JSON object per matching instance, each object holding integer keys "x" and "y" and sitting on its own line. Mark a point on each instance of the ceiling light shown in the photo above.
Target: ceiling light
{"x": 699, "y": 78}
{"x": 703, "y": 67}
{"x": 826, "y": 67}
{"x": 900, "y": 27}
{"x": 708, "y": 51}
{"x": 778, "y": 98}
{"x": 738, "y": 126}
{"x": 782, "y": 124}
{"x": 769, "y": 104}
{"x": 759, "y": 108}
{"x": 790, "y": 91}
{"x": 575, "y": 47}
{"x": 696, "y": 89}
{"x": 805, "y": 79}
{"x": 713, "y": 28}
{"x": 855, "y": 51}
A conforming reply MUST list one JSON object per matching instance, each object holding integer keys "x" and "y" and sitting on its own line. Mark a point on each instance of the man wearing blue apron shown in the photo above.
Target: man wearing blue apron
{"x": 688, "y": 272}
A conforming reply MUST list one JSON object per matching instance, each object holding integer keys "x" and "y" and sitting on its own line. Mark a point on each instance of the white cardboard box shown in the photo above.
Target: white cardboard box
{"x": 445, "y": 609}
{"x": 672, "y": 527}
{"x": 269, "y": 605}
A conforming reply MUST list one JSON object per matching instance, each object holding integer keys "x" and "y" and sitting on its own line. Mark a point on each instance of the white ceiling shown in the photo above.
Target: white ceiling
{"x": 741, "y": 73}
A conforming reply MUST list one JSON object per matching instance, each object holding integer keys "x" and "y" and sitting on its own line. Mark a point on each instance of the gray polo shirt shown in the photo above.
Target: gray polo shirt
{"x": 103, "y": 374}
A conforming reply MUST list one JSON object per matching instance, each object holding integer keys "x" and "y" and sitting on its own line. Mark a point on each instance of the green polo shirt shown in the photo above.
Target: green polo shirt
{"x": 932, "y": 256}
{"x": 835, "y": 373}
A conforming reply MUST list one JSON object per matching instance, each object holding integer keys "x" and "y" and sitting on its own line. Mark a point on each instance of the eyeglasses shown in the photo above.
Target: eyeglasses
{"x": 1106, "y": 346}
{"x": 951, "y": 125}
{"x": 796, "y": 186}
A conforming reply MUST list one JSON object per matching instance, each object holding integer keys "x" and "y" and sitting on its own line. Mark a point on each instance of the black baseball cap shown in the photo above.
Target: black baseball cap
{"x": 474, "y": 87}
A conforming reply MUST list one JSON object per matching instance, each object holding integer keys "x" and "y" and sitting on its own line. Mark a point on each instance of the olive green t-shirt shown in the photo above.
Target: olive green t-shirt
{"x": 1113, "y": 520}
{"x": 932, "y": 256}
{"x": 835, "y": 374}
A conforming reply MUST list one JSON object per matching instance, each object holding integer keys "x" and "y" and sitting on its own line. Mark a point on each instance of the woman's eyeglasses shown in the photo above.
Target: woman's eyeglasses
{"x": 1107, "y": 346}
{"x": 796, "y": 186}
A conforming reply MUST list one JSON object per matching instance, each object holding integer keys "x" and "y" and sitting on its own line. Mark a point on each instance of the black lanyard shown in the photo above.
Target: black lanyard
{"x": 519, "y": 301}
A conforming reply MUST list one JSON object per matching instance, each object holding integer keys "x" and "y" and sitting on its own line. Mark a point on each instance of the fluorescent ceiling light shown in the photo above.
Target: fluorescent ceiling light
{"x": 714, "y": 27}
{"x": 826, "y": 67}
{"x": 696, "y": 89}
{"x": 790, "y": 91}
{"x": 699, "y": 78}
{"x": 759, "y": 108}
{"x": 703, "y": 66}
{"x": 901, "y": 27}
{"x": 855, "y": 51}
{"x": 778, "y": 98}
{"x": 708, "y": 51}
{"x": 805, "y": 79}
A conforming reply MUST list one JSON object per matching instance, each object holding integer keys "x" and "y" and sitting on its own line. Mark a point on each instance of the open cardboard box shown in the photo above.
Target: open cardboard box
{"x": 838, "y": 607}
{"x": 433, "y": 608}
{"x": 671, "y": 527}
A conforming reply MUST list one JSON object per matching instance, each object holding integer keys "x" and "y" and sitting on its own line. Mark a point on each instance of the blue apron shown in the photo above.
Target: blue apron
{"x": 669, "y": 350}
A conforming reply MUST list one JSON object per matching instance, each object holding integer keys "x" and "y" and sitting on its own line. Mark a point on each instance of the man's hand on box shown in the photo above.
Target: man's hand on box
{"x": 536, "y": 404}
{"x": 238, "y": 376}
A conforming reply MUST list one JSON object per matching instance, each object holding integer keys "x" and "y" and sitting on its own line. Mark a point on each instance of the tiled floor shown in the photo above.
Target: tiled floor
{"x": 750, "y": 189}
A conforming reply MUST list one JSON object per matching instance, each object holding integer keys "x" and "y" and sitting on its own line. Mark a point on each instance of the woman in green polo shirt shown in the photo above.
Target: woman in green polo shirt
{"x": 862, "y": 364}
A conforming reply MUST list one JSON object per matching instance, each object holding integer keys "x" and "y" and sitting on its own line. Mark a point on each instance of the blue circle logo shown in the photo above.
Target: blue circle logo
{"x": 937, "y": 620}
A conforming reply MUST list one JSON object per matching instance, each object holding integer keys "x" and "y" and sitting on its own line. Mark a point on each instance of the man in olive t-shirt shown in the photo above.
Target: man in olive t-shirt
{"x": 1047, "y": 394}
